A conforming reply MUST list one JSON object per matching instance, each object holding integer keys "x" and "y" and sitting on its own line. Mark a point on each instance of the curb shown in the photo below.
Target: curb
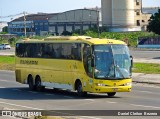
{"x": 146, "y": 82}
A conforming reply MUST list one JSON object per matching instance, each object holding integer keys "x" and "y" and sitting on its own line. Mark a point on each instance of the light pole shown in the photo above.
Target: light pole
{"x": 24, "y": 24}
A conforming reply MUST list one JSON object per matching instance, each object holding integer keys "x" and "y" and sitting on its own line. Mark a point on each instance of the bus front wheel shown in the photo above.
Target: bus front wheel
{"x": 111, "y": 94}
{"x": 30, "y": 83}
{"x": 80, "y": 90}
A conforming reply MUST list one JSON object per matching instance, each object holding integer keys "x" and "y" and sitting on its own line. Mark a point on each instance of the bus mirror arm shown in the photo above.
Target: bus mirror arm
{"x": 131, "y": 57}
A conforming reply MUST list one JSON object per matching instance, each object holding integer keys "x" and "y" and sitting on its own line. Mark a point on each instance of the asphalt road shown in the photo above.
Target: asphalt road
{"x": 146, "y": 54}
{"x": 17, "y": 96}
{"x": 8, "y": 51}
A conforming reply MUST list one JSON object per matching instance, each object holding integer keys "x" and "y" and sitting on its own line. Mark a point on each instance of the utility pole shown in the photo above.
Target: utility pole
{"x": 98, "y": 22}
{"x": 24, "y": 24}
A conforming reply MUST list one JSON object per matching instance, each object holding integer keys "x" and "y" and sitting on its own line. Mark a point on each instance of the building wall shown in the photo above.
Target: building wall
{"x": 106, "y": 8}
{"x": 73, "y": 20}
{"x": 123, "y": 12}
{"x": 141, "y": 19}
{"x": 81, "y": 19}
{"x": 124, "y": 15}
{"x": 37, "y": 27}
{"x": 2, "y": 24}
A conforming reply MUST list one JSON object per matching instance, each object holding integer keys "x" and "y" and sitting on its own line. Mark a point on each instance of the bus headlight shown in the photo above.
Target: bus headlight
{"x": 128, "y": 84}
{"x": 99, "y": 84}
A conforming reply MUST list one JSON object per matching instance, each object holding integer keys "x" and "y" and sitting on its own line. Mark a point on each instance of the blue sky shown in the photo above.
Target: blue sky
{"x": 12, "y": 7}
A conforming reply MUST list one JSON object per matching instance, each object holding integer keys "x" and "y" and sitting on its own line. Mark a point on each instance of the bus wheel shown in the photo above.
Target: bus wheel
{"x": 38, "y": 85}
{"x": 30, "y": 83}
{"x": 79, "y": 90}
{"x": 111, "y": 94}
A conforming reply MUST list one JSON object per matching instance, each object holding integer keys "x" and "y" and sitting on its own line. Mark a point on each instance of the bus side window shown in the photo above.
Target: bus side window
{"x": 76, "y": 51}
{"x": 53, "y": 53}
{"x": 47, "y": 51}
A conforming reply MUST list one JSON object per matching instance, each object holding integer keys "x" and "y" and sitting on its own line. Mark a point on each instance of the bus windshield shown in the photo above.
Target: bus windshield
{"x": 112, "y": 62}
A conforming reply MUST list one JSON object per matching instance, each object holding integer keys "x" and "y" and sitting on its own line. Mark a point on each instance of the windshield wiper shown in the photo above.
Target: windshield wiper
{"x": 116, "y": 66}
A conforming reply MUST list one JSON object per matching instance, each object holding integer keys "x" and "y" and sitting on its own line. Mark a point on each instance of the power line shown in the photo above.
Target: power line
{"x": 15, "y": 15}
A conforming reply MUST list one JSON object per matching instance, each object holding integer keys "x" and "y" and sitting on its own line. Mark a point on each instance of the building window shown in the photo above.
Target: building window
{"x": 36, "y": 24}
{"x": 137, "y": 13}
{"x": 41, "y": 24}
{"x": 143, "y": 21}
{"x": 137, "y": 2}
{"x": 138, "y": 22}
{"x": 46, "y": 23}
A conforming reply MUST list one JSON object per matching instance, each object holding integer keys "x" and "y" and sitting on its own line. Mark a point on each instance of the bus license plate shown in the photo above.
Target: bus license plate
{"x": 115, "y": 89}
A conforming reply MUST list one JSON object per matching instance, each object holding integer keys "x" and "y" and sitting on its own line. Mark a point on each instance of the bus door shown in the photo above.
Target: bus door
{"x": 88, "y": 62}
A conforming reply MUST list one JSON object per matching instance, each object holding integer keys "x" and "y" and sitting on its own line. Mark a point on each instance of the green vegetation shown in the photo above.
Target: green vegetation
{"x": 7, "y": 63}
{"x": 131, "y": 36}
{"x": 7, "y": 59}
{"x": 147, "y": 68}
{"x": 154, "y": 23}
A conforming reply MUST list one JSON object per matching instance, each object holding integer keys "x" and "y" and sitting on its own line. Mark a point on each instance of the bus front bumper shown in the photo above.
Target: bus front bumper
{"x": 105, "y": 89}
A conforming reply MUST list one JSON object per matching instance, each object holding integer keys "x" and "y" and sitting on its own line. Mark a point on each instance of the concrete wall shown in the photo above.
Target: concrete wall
{"x": 118, "y": 12}
{"x": 106, "y": 8}
{"x": 123, "y": 12}
{"x": 124, "y": 15}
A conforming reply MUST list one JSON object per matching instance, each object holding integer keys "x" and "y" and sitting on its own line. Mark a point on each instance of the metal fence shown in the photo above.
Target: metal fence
{"x": 148, "y": 42}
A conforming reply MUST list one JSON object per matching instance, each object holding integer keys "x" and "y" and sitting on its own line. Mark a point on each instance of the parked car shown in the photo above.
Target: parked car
{"x": 5, "y": 46}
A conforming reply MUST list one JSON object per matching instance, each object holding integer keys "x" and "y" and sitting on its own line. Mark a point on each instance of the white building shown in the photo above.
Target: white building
{"x": 123, "y": 15}
{"x": 2, "y": 24}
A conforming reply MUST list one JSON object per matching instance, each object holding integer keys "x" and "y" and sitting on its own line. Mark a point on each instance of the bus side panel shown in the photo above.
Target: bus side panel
{"x": 18, "y": 75}
{"x": 79, "y": 73}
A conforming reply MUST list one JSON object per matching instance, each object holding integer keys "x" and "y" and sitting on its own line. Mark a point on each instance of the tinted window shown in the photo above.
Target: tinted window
{"x": 49, "y": 50}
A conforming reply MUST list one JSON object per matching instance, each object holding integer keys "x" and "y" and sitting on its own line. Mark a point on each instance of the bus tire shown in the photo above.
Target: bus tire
{"x": 79, "y": 89}
{"x": 38, "y": 85}
{"x": 111, "y": 94}
{"x": 30, "y": 83}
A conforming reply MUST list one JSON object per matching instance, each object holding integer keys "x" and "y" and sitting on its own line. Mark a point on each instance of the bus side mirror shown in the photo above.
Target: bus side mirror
{"x": 92, "y": 61}
{"x": 131, "y": 57}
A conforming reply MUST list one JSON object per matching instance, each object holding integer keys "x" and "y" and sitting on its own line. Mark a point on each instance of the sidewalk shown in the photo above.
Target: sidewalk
{"x": 146, "y": 78}
{"x": 144, "y": 60}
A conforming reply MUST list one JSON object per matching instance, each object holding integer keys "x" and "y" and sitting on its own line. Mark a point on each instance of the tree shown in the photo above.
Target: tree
{"x": 66, "y": 33}
{"x": 154, "y": 23}
{"x": 5, "y": 29}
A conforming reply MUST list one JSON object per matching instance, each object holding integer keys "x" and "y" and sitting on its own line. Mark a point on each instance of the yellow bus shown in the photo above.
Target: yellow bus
{"x": 79, "y": 63}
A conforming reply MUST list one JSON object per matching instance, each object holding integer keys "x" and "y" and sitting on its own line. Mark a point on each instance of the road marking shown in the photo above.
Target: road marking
{"x": 16, "y": 89}
{"x": 111, "y": 102}
{"x": 68, "y": 97}
{"x": 6, "y": 81}
{"x": 6, "y": 71}
{"x": 90, "y": 117}
{"x": 146, "y": 85}
{"x": 2, "y": 87}
{"x": 146, "y": 91}
{"x": 33, "y": 92}
{"x": 89, "y": 99}
{"x": 145, "y": 106}
{"x": 11, "y": 104}
{"x": 49, "y": 94}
